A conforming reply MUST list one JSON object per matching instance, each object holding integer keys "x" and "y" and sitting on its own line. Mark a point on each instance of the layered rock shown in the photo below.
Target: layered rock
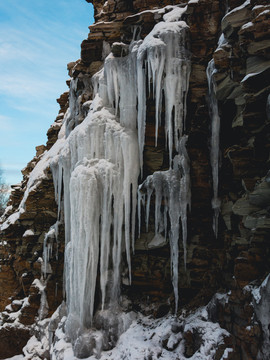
{"x": 240, "y": 253}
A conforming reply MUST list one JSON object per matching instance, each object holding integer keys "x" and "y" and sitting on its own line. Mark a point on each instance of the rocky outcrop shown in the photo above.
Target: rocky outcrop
{"x": 240, "y": 255}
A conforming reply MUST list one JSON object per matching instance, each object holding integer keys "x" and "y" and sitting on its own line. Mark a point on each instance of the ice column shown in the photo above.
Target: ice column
{"x": 99, "y": 169}
{"x": 214, "y": 151}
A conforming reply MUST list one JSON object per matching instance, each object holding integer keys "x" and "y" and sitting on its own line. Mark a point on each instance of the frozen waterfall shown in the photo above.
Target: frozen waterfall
{"x": 96, "y": 172}
{"x": 99, "y": 163}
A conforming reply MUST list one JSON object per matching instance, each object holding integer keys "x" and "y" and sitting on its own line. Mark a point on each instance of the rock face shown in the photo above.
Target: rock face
{"x": 237, "y": 260}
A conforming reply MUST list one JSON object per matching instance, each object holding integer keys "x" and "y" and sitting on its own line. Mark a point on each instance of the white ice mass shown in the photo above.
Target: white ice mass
{"x": 100, "y": 162}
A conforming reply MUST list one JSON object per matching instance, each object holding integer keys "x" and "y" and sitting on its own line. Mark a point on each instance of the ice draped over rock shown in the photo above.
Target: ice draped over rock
{"x": 97, "y": 170}
{"x": 115, "y": 126}
{"x": 171, "y": 187}
{"x": 165, "y": 53}
{"x": 168, "y": 69}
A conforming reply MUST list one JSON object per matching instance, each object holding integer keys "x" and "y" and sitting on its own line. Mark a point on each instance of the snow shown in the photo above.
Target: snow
{"x": 147, "y": 338}
{"x": 226, "y": 353}
{"x": 262, "y": 310}
{"x": 34, "y": 347}
{"x": 221, "y": 41}
{"x": 11, "y": 220}
{"x": 247, "y": 25}
{"x": 265, "y": 12}
{"x": 258, "y": 7}
{"x": 29, "y": 232}
{"x": 245, "y": 4}
{"x": 11, "y": 318}
{"x": 40, "y": 170}
{"x": 17, "y": 302}
{"x": 7, "y": 209}
{"x": 214, "y": 151}
{"x": 175, "y": 14}
{"x": 250, "y": 75}
{"x": 38, "y": 284}
{"x": 38, "y": 173}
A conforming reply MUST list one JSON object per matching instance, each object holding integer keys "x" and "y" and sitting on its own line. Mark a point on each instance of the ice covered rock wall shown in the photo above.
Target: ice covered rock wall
{"x": 100, "y": 162}
{"x": 139, "y": 111}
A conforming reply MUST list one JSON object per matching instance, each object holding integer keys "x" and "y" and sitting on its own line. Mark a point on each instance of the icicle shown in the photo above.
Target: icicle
{"x": 141, "y": 202}
{"x": 168, "y": 67}
{"x": 141, "y": 108}
{"x": 98, "y": 167}
{"x": 173, "y": 188}
{"x": 49, "y": 238}
{"x": 168, "y": 64}
{"x": 214, "y": 152}
{"x": 136, "y": 32}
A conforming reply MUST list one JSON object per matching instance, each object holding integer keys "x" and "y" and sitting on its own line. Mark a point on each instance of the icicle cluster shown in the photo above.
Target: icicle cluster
{"x": 100, "y": 169}
{"x": 214, "y": 151}
{"x": 167, "y": 68}
{"x": 97, "y": 169}
{"x": 172, "y": 188}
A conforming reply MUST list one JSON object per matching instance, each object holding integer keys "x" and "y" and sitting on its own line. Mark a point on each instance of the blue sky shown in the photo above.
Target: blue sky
{"x": 37, "y": 40}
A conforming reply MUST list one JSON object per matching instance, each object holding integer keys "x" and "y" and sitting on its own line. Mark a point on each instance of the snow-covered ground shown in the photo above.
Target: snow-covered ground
{"x": 145, "y": 339}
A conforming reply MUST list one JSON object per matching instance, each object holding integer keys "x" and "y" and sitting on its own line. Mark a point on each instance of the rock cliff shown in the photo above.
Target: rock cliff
{"x": 172, "y": 98}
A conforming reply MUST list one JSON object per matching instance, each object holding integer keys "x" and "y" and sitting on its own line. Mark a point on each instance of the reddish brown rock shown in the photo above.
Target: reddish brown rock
{"x": 12, "y": 341}
{"x": 240, "y": 254}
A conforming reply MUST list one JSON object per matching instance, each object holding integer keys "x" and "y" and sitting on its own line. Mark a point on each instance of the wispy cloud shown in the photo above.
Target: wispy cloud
{"x": 23, "y": 86}
{"x": 37, "y": 40}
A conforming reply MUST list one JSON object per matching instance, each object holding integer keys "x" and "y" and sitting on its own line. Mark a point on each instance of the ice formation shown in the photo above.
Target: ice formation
{"x": 100, "y": 162}
{"x": 96, "y": 164}
{"x": 171, "y": 187}
{"x": 165, "y": 53}
{"x": 99, "y": 165}
{"x": 49, "y": 238}
{"x": 214, "y": 151}
{"x": 164, "y": 50}
{"x": 262, "y": 311}
{"x": 100, "y": 170}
